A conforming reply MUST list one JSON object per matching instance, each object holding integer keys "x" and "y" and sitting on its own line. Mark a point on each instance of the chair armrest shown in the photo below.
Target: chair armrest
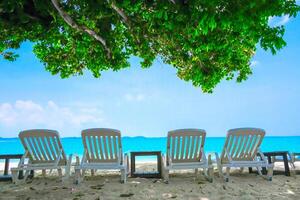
{"x": 203, "y": 155}
{"x": 77, "y": 160}
{"x": 125, "y": 157}
{"x": 216, "y": 154}
{"x": 68, "y": 166}
{"x": 218, "y": 160}
{"x": 209, "y": 159}
{"x": 261, "y": 154}
{"x": 263, "y": 157}
{"x": 22, "y": 160}
{"x": 126, "y": 162}
{"x": 163, "y": 156}
{"x": 83, "y": 159}
{"x": 165, "y": 160}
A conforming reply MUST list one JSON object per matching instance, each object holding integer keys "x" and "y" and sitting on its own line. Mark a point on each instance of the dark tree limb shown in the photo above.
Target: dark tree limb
{"x": 121, "y": 13}
{"x": 125, "y": 19}
{"x": 67, "y": 18}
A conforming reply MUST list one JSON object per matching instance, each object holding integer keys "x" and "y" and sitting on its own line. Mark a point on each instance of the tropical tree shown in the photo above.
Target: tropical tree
{"x": 205, "y": 40}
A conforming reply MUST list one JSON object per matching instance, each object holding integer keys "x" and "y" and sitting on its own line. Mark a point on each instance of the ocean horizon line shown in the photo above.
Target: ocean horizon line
{"x": 141, "y": 143}
{"x": 153, "y": 137}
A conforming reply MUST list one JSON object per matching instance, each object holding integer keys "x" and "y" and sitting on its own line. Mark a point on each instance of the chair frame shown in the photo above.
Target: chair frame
{"x": 242, "y": 149}
{"x": 100, "y": 157}
{"x": 191, "y": 156}
{"x": 44, "y": 151}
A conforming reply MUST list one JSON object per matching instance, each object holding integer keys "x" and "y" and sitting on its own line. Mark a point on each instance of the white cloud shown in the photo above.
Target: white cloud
{"x": 278, "y": 21}
{"x": 283, "y": 20}
{"x": 134, "y": 97}
{"x": 28, "y": 114}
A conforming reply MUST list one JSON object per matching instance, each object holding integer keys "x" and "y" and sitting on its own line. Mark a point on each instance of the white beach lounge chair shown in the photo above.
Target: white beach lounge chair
{"x": 185, "y": 150}
{"x": 241, "y": 149}
{"x": 102, "y": 151}
{"x": 43, "y": 150}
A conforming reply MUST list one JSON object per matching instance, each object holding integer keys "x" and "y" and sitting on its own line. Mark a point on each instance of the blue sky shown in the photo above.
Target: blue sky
{"x": 149, "y": 102}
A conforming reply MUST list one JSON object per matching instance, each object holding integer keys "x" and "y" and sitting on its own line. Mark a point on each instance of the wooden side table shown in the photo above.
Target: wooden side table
{"x": 6, "y": 176}
{"x": 283, "y": 154}
{"x": 133, "y": 156}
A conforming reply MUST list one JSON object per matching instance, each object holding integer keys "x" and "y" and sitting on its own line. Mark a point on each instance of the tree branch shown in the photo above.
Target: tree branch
{"x": 67, "y": 18}
{"x": 121, "y": 13}
{"x": 125, "y": 18}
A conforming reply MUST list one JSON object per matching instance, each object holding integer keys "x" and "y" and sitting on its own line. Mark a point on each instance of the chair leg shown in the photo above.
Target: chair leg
{"x": 68, "y": 168}
{"x": 259, "y": 169}
{"x": 292, "y": 169}
{"x": 43, "y": 172}
{"x": 123, "y": 175}
{"x": 241, "y": 169}
{"x": 226, "y": 178}
{"x": 210, "y": 174}
{"x": 166, "y": 175}
{"x": 219, "y": 166}
{"x": 26, "y": 175}
{"x": 127, "y": 165}
{"x": 15, "y": 176}
{"x": 270, "y": 173}
{"x": 59, "y": 171}
{"x": 78, "y": 176}
{"x": 196, "y": 172}
{"x": 210, "y": 169}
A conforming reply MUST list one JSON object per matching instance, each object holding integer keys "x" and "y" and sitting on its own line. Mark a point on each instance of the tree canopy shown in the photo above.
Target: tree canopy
{"x": 205, "y": 40}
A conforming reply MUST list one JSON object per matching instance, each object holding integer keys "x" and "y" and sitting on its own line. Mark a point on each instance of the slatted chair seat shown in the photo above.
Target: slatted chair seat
{"x": 185, "y": 150}
{"x": 241, "y": 149}
{"x": 43, "y": 150}
{"x": 102, "y": 166}
{"x": 102, "y": 151}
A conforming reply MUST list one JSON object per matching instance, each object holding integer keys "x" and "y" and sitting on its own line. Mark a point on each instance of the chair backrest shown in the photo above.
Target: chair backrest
{"x": 242, "y": 144}
{"x": 43, "y": 146}
{"x": 102, "y": 145}
{"x": 184, "y": 145}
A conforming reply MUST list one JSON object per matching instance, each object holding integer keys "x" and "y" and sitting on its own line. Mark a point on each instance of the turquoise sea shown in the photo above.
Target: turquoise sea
{"x": 212, "y": 144}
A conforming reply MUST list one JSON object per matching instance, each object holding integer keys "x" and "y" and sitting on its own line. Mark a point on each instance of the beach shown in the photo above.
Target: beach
{"x": 182, "y": 185}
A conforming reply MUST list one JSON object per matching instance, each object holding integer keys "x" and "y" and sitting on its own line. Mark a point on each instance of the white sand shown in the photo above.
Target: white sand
{"x": 182, "y": 185}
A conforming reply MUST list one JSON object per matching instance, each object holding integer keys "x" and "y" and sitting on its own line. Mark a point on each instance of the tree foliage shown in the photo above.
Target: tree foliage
{"x": 205, "y": 40}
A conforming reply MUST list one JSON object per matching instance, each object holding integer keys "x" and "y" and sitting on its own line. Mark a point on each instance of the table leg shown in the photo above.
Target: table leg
{"x": 159, "y": 165}
{"x": 286, "y": 165}
{"x": 31, "y": 174}
{"x": 6, "y": 166}
{"x": 21, "y": 174}
{"x": 132, "y": 159}
{"x": 250, "y": 170}
{"x": 270, "y": 159}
